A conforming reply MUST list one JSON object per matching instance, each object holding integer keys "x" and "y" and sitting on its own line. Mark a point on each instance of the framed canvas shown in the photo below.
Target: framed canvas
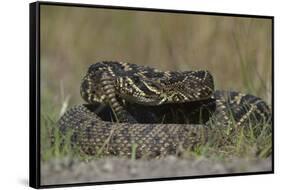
{"x": 122, "y": 94}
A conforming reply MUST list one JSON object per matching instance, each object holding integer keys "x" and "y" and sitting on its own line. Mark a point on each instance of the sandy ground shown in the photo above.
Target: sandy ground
{"x": 66, "y": 171}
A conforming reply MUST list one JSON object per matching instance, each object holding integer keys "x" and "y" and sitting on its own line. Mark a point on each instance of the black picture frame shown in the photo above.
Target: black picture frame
{"x": 34, "y": 81}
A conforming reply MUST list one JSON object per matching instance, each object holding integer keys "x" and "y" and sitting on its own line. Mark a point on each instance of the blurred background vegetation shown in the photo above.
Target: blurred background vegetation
{"x": 237, "y": 51}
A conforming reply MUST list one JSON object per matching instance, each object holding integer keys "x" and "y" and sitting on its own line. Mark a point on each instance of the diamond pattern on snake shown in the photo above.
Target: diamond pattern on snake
{"x": 159, "y": 113}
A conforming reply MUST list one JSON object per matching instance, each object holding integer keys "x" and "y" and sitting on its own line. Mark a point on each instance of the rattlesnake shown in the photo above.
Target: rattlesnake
{"x": 132, "y": 108}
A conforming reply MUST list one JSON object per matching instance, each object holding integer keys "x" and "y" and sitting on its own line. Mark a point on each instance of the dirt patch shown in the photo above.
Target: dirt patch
{"x": 66, "y": 171}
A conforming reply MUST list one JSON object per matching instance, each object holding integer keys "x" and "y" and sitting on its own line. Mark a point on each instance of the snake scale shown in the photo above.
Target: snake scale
{"x": 153, "y": 113}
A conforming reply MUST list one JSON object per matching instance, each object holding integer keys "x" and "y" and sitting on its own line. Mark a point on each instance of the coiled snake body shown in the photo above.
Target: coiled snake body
{"x": 132, "y": 108}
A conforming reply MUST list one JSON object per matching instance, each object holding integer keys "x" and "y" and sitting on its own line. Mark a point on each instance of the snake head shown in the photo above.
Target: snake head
{"x": 172, "y": 87}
